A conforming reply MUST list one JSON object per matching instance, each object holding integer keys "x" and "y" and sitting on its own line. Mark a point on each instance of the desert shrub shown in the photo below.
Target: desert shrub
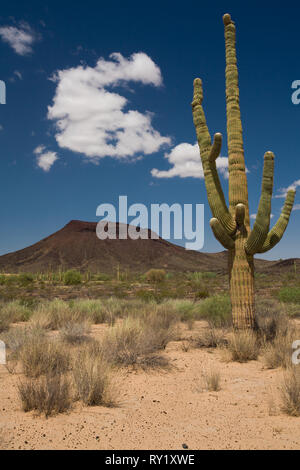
{"x": 90, "y": 309}
{"x": 72, "y": 277}
{"x": 289, "y": 294}
{"x": 130, "y": 342}
{"x": 123, "y": 343}
{"x": 270, "y": 320}
{"x": 212, "y": 380}
{"x": 155, "y": 275}
{"x": 5, "y": 320}
{"x": 73, "y": 333}
{"x": 201, "y": 294}
{"x": 210, "y": 337}
{"x": 16, "y": 311}
{"x": 41, "y": 356}
{"x": 180, "y": 309}
{"x": 243, "y": 346}
{"x": 145, "y": 295}
{"x": 50, "y": 394}
{"x": 92, "y": 378}
{"x": 279, "y": 352}
{"x": 25, "y": 279}
{"x": 55, "y": 314}
{"x": 15, "y": 340}
{"x": 159, "y": 328}
{"x": 290, "y": 392}
{"x": 216, "y": 309}
{"x": 292, "y": 310}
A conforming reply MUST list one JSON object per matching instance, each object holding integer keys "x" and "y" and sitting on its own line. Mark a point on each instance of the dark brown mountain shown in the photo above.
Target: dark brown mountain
{"x": 76, "y": 246}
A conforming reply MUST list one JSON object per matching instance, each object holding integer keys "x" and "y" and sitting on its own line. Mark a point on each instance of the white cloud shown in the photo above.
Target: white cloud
{"x": 186, "y": 162}
{"x": 283, "y": 191}
{"x": 92, "y": 120}
{"x": 296, "y": 207}
{"x": 45, "y": 159}
{"x": 19, "y": 38}
{"x": 253, "y": 216}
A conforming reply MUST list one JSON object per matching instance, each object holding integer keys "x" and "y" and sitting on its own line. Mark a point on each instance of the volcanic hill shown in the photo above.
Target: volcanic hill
{"x": 76, "y": 246}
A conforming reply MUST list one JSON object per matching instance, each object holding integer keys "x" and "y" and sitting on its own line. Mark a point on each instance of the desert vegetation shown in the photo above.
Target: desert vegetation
{"x": 68, "y": 350}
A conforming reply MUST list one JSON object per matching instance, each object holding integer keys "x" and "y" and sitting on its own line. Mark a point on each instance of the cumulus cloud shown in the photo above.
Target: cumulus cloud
{"x": 19, "y": 38}
{"x": 91, "y": 118}
{"x": 283, "y": 191}
{"x": 186, "y": 162}
{"x": 45, "y": 158}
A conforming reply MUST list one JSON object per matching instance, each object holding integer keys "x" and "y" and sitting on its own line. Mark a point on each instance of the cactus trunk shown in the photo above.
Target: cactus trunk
{"x": 231, "y": 226}
{"x": 241, "y": 281}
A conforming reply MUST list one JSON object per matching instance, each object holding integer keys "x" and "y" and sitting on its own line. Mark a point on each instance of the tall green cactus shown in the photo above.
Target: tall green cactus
{"x": 231, "y": 226}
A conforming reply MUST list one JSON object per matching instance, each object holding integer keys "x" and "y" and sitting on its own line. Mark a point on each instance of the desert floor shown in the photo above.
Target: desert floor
{"x": 163, "y": 409}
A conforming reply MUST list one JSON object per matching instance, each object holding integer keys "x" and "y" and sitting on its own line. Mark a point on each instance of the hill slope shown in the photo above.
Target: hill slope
{"x": 77, "y": 246}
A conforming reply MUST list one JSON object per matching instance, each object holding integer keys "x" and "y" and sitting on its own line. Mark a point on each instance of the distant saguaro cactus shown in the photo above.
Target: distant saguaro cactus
{"x": 231, "y": 226}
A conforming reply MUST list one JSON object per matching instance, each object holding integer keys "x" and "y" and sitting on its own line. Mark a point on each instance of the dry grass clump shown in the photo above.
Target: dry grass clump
{"x": 278, "y": 353}
{"x": 5, "y": 320}
{"x": 212, "y": 380}
{"x": 92, "y": 378}
{"x": 243, "y": 346}
{"x": 275, "y": 334}
{"x": 97, "y": 311}
{"x": 130, "y": 342}
{"x": 50, "y": 394}
{"x": 41, "y": 356}
{"x": 290, "y": 392}
{"x": 55, "y": 314}
{"x": 211, "y": 337}
{"x": 75, "y": 333}
{"x": 15, "y": 311}
{"x": 15, "y": 340}
{"x": 270, "y": 320}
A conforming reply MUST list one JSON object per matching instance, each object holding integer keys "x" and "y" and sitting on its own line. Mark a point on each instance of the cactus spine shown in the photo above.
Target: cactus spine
{"x": 231, "y": 226}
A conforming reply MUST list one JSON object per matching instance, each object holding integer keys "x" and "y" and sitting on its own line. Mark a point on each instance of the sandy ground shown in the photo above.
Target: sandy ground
{"x": 163, "y": 410}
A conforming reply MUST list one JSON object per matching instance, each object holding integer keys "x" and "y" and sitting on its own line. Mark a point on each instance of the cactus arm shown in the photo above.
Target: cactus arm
{"x": 208, "y": 154}
{"x": 216, "y": 147}
{"x": 221, "y": 234}
{"x": 240, "y": 215}
{"x": 261, "y": 226}
{"x": 276, "y": 233}
{"x": 238, "y": 191}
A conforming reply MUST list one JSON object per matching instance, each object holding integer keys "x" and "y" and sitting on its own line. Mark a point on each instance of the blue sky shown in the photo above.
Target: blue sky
{"x": 125, "y": 120}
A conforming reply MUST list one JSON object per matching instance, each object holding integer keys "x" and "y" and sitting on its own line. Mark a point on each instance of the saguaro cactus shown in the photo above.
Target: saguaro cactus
{"x": 231, "y": 226}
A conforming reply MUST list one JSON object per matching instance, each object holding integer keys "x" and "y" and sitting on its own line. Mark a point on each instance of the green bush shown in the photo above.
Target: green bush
{"x": 201, "y": 294}
{"x": 25, "y": 279}
{"x": 289, "y": 294}
{"x": 216, "y": 309}
{"x": 72, "y": 277}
